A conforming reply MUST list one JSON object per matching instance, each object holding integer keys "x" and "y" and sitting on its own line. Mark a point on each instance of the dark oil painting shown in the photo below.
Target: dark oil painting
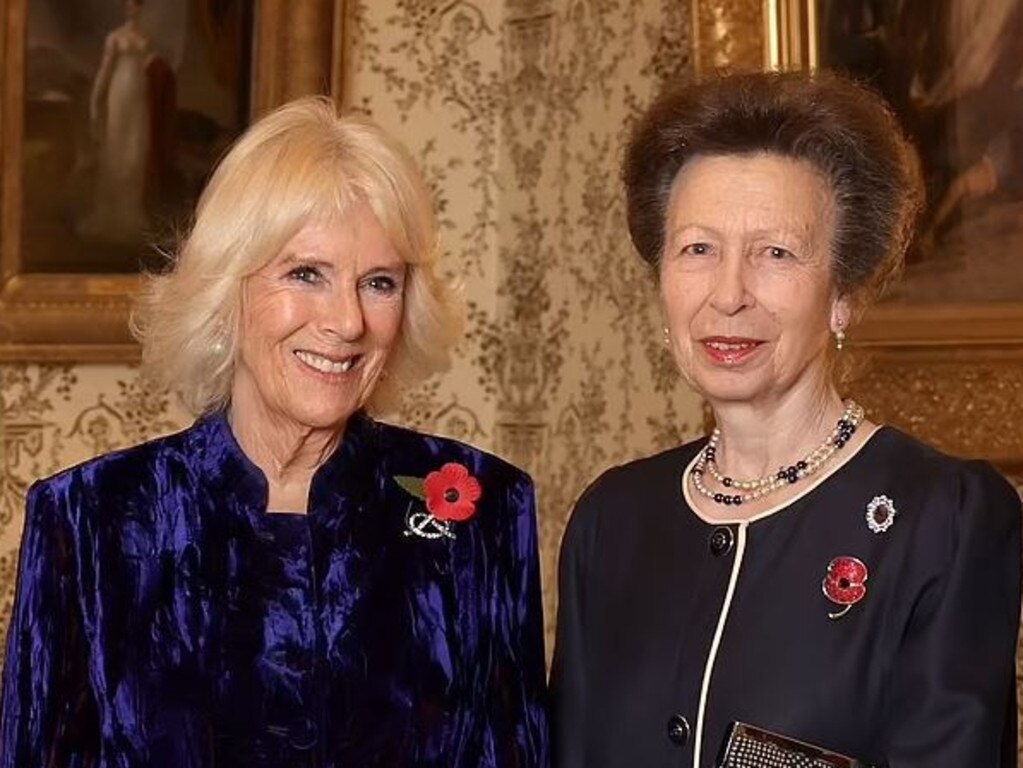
{"x": 128, "y": 106}
{"x": 953, "y": 70}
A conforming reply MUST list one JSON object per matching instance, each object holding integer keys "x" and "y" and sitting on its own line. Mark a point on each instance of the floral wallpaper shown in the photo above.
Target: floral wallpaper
{"x": 516, "y": 110}
{"x": 55, "y": 416}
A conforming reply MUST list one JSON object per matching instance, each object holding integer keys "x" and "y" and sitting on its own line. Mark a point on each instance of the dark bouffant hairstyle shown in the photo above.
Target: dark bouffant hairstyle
{"x": 844, "y": 130}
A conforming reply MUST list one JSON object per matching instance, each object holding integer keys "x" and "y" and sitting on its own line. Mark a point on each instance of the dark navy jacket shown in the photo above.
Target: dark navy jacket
{"x": 671, "y": 626}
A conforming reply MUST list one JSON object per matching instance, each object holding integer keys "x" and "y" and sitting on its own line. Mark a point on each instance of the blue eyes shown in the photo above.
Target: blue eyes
{"x": 305, "y": 274}
{"x": 310, "y": 275}
{"x": 774, "y": 252}
{"x": 381, "y": 284}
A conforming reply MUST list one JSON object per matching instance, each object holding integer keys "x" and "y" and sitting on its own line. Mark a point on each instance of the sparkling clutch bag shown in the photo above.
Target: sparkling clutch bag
{"x": 747, "y": 746}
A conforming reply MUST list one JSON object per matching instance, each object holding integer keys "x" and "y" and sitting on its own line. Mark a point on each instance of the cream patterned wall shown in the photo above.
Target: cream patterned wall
{"x": 516, "y": 110}
{"x": 55, "y": 416}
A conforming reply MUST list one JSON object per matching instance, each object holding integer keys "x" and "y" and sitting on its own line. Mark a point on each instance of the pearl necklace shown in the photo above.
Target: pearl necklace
{"x": 751, "y": 490}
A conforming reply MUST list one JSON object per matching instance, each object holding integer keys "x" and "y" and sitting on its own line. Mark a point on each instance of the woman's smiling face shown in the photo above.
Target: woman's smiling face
{"x": 318, "y": 323}
{"x": 745, "y": 277}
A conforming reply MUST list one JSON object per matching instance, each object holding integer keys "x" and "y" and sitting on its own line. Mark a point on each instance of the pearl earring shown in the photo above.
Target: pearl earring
{"x": 667, "y": 336}
{"x": 839, "y": 339}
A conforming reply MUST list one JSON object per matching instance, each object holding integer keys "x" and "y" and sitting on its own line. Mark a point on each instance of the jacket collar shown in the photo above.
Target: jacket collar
{"x": 231, "y": 477}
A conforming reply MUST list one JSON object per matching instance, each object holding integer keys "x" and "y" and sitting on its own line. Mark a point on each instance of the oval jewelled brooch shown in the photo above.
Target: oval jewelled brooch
{"x": 881, "y": 514}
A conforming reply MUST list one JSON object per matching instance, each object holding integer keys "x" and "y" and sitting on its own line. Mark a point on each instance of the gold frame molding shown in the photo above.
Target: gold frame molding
{"x": 83, "y": 317}
{"x": 952, "y": 374}
{"x": 790, "y": 43}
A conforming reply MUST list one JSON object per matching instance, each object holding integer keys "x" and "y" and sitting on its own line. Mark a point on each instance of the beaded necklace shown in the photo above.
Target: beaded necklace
{"x": 751, "y": 490}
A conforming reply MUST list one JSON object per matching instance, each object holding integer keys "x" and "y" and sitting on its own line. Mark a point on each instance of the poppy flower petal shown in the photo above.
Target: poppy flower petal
{"x": 451, "y": 492}
{"x": 471, "y": 489}
{"x": 845, "y": 581}
{"x": 460, "y": 511}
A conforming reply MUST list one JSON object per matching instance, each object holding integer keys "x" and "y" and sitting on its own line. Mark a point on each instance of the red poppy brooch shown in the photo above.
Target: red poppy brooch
{"x": 845, "y": 584}
{"x": 449, "y": 494}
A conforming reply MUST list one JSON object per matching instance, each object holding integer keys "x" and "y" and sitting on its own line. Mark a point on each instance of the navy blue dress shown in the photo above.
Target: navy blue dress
{"x": 672, "y": 626}
{"x": 163, "y": 618}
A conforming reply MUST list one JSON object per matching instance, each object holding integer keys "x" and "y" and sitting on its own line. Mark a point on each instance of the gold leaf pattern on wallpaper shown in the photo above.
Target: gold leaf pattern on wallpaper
{"x": 52, "y": 417}
{"x": 516, "y": 111}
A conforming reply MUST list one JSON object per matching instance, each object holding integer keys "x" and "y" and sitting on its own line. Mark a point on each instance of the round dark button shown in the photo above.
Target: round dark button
{"x": 721, "y": 541}
{"x": 678, "y": 729}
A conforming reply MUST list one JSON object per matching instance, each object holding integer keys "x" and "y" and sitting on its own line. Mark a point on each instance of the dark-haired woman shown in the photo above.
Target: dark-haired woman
{"x": 804, "y": 570}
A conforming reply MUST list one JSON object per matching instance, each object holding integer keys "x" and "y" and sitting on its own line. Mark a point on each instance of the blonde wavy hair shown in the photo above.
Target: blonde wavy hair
{"x": 303, "y": 162}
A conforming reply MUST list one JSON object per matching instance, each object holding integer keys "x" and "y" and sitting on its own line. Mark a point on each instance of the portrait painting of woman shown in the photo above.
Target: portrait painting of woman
{"x": 127, "y": 105}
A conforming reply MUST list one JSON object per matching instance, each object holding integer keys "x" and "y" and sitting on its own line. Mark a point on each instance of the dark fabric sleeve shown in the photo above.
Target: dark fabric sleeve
{"x": 47, "y": 715}
{"x": 519, "y": 722}
{"x": 952, "y": 701}
{"x": 568, "y": 678}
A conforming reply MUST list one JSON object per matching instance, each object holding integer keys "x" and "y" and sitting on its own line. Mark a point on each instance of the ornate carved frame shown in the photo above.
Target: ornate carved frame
{"x": 83, "y": 317}
{"x": 950, "y": 373}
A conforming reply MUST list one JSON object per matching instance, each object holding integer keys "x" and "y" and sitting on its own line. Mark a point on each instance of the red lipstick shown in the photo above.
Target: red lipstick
{"x": 730, "y": 350}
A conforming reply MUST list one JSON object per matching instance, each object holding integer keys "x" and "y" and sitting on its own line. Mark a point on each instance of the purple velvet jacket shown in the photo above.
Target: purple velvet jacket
{"x": 163, "y": 618}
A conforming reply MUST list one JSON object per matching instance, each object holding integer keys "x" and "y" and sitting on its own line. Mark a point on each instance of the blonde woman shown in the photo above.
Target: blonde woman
{"x": 289, "y": 581}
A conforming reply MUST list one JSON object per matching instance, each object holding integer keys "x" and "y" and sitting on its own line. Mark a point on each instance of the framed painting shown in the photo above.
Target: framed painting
{"x": 942, "y": 355}
{"x": 953, "y": 72}
{"x": 112, "y": 115}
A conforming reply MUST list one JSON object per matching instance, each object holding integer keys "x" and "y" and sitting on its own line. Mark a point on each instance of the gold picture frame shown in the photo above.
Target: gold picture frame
{"x": 792, "y": 41}
{"x": 82, "y": 317}
{"x": 950, "y": 372}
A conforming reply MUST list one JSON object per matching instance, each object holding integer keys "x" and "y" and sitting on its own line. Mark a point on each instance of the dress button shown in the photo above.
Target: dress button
{"x": 721, "y": 541}
{"x": 678, "y": 730}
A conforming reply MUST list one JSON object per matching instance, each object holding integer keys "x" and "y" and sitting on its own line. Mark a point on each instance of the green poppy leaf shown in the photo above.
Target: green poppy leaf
{"x": 413, "y": 485}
